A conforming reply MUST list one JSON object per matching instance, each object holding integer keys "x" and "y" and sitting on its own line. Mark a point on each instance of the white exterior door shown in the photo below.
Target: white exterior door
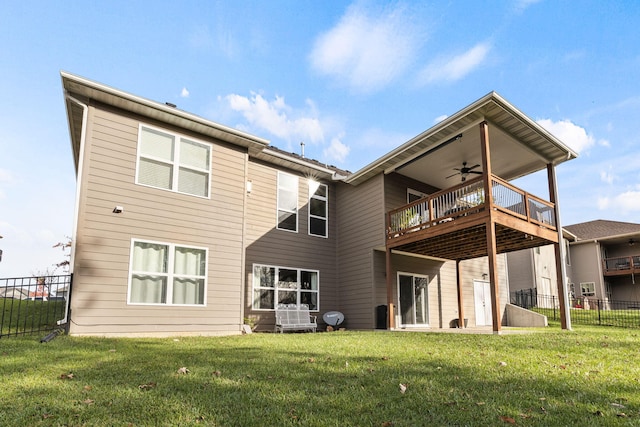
{"x": 482, "y": 298}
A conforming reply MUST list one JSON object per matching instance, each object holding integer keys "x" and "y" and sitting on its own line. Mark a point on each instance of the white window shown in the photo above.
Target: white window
{"x": 173, "y": 162}
{"x": 413, "y": 195}
{"x": 318, "y": 209}
{"x": 588, "y": 289}
{"x": 282, "y": 285}
{"x": 287, "y": 202}
{"x": 163, "y": 273}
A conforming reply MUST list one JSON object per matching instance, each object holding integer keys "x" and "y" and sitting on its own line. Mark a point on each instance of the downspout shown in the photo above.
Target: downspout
{"x": 248, "y": 187}
{"x": 74, "y": 231}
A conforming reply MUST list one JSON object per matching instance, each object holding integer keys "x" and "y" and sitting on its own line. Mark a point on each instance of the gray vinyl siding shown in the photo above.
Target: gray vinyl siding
{"x": 361, "y": 214}
{"x": 267, "y": 245}
{"x": 521, "y": 274}
{"x": 396, "y": 186}
{"x": 587, "y": 257}
{"x": 103, "y": 239}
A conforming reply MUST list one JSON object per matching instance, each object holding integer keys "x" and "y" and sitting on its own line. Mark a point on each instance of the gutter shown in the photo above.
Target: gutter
{"x": 606, "y": 238}
{"x": 334, "y": 175}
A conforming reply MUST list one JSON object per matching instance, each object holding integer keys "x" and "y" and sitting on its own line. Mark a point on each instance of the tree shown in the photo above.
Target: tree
{"x": 65, "y": 246}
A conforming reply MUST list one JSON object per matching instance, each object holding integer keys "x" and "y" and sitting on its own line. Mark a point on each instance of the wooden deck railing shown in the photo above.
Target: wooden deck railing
{"x": 622, "y": 265}
{"x": 466, "y": 199}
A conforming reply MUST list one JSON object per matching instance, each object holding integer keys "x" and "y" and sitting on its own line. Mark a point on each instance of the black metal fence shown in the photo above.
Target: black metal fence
{"x": 583, "y": 310}
{"x": 30, "y": 305}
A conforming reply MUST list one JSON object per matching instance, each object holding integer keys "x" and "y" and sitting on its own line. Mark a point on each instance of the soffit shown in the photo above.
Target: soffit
{"x": 86, "y": 90}
{"x": 518, "y": 145}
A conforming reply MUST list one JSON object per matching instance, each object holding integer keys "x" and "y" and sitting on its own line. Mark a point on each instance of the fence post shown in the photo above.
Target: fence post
{"x": 553, "y": 301}
{"x": 599, "y": 318}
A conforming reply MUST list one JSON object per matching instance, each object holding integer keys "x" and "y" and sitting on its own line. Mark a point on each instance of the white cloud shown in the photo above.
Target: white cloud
{"x": 574, "y": 136}
{"x": 624, "y": 203}
{"x": 336, "y": 151}
{"x": 521, "y": 5}
{"x": 439, "y": 119}
{"x": 606, "y": 177}
{"x": 277, "y": 118}
{"x": 452, "y": 68}
{"x": 184, "y": 93}
{"x": 367, "y": 49}
{"x": 6, "y": 178}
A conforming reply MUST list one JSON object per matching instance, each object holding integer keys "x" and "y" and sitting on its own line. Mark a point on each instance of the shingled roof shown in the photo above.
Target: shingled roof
{"x": 601, "y": 228}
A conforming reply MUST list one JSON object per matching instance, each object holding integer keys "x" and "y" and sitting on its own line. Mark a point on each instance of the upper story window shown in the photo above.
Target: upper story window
{"x": 173, "y": 162}
{"x": 167, "y": 274}
{"x": 318, "y": 209}
{"x": 287, "y": 202}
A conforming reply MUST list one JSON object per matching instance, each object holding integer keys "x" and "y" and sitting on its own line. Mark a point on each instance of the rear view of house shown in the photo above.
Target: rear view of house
{"x": 186, "y": 226}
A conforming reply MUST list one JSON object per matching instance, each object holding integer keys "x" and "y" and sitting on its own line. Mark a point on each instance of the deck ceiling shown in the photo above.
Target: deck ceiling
{"x": 518, "y": 146}
{"x": 471, "y": 242}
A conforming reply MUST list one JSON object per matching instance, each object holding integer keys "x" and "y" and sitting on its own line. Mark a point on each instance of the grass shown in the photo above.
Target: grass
{"x": 19, "y": 316}
{"x": 585, "y": 377}
{"x": 629, "y": 318}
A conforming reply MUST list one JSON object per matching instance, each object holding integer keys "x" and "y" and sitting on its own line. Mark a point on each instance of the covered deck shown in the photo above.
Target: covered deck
{"x": 451, "y": 224}
{"x": 483, "y": 214}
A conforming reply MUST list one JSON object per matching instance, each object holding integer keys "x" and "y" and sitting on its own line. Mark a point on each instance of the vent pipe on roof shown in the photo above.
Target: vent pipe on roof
{"x": 302, "y": 149}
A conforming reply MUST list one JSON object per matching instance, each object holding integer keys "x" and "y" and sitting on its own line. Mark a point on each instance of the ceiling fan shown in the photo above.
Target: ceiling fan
{"x": 464, "y": 171}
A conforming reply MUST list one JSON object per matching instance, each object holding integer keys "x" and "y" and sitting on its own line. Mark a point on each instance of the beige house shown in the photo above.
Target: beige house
{"x": 535, "y": 270}
{"x": 185, "y": 226}
{"x": 602, "y": 265}
{"x": 605, "y": 261}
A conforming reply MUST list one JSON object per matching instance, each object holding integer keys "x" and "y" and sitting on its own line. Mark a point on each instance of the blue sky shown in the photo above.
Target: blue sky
{"x": 351, "y": 80}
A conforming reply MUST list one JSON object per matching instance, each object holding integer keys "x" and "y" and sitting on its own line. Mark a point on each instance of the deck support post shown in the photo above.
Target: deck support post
{"x": 490, "y": 228}
{"x": 391, "y": 318}
{"x": 561, "y": 272}
{"x": 460, "y": 302}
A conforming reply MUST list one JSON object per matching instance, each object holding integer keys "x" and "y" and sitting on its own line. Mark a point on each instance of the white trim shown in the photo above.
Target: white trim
{"x": 297, "y": 210}
{"x": 411, "y": 191}
{"x": 95, "y": 90}
{"x": 76, "y": 214}
{"x": 175, "y": 163}
{"x": 170, "y": 274}
{"x": 275, "y": 287}
{"x": 326, "y": 205}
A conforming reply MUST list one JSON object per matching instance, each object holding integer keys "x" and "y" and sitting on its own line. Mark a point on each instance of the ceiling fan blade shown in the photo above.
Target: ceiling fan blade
{"x": 473, "y": 167}
{"x": 476, "y": 172}
{"x": 451, "y": 176}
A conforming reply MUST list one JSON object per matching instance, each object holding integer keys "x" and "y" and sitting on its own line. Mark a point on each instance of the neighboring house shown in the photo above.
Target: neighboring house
{"x": 13, "y": 292}
{"x": 602, "y": 263}
{"x": 605, "y": 262}
{"x": 185, "y": 226}
{"x": 536, "y": 269}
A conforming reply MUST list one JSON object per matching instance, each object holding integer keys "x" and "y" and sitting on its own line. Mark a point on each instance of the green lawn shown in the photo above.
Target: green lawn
{"x": 586, "y": 377}
{"x": 18, "y": 316}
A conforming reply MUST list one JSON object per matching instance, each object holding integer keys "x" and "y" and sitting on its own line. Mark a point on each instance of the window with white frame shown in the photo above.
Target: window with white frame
{"x": 164, "y": 273}
{"x": 283, "y": 285}
{"x": 318, "y": 209}
{"x": 287, "y": 202}
{"x": 173, "y": 162}
{"x": 413, "y": 195}
{"x": 588, "y": 289}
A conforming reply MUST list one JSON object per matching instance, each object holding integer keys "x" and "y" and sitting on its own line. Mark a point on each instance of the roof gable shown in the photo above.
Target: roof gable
{"x": 600, "y": 228}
